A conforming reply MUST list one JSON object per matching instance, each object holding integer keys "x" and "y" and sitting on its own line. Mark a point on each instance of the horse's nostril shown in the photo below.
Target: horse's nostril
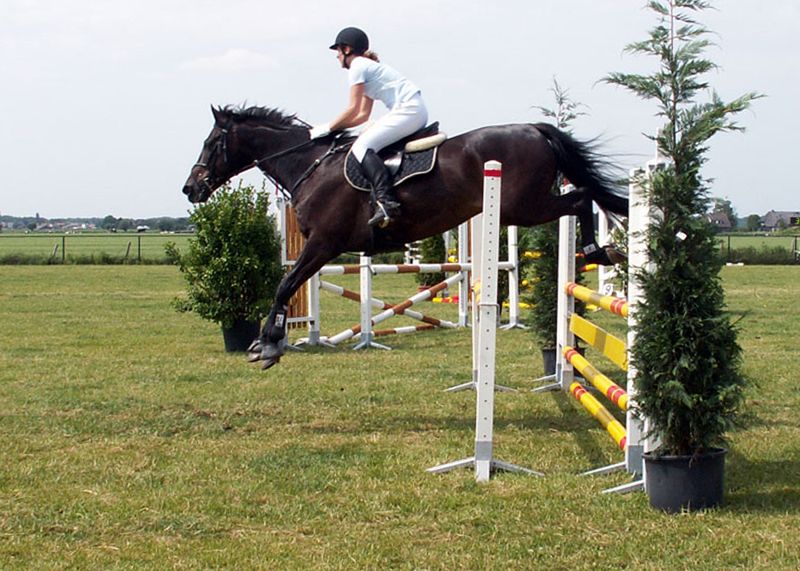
{"x": 190, "y": 190}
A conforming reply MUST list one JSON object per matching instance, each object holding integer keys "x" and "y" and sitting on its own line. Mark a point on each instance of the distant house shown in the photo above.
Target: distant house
{"x": 720, "y": 221}
{"x": 77, "y": 226}
{"x": 775, "y": 220}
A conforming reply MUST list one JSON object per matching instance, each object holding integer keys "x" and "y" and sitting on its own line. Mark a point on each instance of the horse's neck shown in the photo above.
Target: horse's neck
{"x": 291, "y": 168}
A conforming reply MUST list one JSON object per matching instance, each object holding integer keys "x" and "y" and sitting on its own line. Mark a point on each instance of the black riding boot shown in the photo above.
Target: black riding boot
{"x": 386, "y": 205}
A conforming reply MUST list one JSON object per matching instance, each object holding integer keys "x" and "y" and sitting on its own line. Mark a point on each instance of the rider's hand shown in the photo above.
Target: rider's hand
{"x": 318, "y": 131}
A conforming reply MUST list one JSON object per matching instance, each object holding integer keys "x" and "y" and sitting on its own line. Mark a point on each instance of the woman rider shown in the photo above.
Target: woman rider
{"x": 370, "y": 80}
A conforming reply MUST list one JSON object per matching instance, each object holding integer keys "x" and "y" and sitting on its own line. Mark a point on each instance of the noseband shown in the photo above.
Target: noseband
{"x": 206, "y": 183}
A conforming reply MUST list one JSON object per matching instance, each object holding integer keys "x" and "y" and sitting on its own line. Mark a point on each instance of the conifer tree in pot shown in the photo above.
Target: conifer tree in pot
{"x": 689, "y": 381}
{"x": 232, "y": 265}
{"x": 543, "y": 297}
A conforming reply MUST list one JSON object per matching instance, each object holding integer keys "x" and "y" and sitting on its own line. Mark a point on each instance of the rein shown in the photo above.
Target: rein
{"x": 288, "y": 193}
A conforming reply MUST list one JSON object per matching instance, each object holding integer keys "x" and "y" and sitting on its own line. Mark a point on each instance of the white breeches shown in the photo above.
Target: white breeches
{"x": 400, "y": 122}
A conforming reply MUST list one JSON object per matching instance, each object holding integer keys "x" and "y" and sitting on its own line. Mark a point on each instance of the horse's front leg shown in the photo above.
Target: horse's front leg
{"x": 270, "y": 346}
{"x": 273, "y": 333}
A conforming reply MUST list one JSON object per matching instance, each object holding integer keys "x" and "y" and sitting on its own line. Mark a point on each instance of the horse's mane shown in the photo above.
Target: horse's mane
{"x": 263, "y": 115}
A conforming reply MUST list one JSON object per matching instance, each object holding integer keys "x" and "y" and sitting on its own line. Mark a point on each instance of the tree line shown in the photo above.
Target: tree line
{"x": 108, "y": 223}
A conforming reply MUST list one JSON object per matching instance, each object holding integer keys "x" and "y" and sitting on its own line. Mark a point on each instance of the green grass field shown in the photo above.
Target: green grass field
{"x": 735, "y": 247}
{"x": 757, "y": 241}
{"x": 147, "y": 246}
{"x": 130, "y": 440}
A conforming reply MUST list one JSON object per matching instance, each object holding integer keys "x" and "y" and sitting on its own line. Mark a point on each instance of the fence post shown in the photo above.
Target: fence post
{"x": 63, "y": 248}
{"x": 463, "y": 285}
{"x": 729, "y": 249}
{"x": 139, "y": 248}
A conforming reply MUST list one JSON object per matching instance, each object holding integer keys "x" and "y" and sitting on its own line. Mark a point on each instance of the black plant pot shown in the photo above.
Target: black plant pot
{"x": 239, "y": 337}
{"x": 677, "y": 483}
{"x": 549, "y": 360}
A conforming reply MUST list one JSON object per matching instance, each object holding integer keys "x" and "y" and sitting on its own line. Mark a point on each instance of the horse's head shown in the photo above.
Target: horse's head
{"x": 243, "y": 138}
{"x": 219, "y": 160}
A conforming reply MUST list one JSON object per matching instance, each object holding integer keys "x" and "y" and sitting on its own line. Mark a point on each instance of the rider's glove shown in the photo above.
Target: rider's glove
{"x": 318, "y": 131}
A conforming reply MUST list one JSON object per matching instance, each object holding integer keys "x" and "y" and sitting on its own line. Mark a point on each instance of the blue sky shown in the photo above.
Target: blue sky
{"x": 105, "y": 104}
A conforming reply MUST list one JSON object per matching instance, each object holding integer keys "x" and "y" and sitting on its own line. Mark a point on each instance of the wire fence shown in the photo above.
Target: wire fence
{"x": 110, "y": 248}
{"x": 88, "y": 248}
{"x": 755, "y": 249}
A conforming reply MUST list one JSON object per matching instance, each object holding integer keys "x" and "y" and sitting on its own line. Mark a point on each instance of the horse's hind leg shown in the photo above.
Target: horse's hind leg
{"x": 578, "y": 203}
{"x": 269, "y": 346}
{"x": 607, "y": 255}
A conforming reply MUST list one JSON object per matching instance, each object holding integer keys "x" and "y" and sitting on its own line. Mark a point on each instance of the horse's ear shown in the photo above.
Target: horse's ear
{"x": 219, "y": 117}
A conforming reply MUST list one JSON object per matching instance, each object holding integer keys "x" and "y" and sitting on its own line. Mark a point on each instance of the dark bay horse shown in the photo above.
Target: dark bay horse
{"x": 333, "y": 216}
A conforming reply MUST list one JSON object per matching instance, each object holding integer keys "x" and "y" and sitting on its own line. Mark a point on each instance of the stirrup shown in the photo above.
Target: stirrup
{"x": 381, "y": 218}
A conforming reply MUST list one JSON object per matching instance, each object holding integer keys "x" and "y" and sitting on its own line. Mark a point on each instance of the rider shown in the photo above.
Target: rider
{"x": 369, "y": 80}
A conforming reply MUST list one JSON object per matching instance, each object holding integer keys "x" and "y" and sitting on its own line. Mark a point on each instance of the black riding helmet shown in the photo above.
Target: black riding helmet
{"x": 353, "y": 37}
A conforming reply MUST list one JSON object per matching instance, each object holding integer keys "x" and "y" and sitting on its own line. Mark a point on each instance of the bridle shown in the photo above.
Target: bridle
{"x": 208, "y": 184}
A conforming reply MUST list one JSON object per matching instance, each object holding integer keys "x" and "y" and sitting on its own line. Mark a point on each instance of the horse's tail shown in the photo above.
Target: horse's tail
{"x": 584, "y": 167}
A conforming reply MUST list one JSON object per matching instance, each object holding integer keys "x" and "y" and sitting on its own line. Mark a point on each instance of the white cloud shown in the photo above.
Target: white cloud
{"x": 234, "y": 59}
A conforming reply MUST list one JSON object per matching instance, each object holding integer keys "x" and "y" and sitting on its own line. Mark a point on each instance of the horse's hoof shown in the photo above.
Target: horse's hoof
{"x": 255, "y": 346}
{"x": 253, "y": 356}
{"x": 269, "y": 363}
{"x": 614, "y": 255}
{"x": 271, "y": 351}
{"x": 606, "y": 256}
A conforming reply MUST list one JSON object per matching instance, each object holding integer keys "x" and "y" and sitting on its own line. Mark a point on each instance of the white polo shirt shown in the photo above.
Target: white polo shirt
{"x": 381, "y": 82}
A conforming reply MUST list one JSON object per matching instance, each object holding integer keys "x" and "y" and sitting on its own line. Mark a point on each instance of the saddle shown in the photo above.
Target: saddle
{"x": 412, "y": 156}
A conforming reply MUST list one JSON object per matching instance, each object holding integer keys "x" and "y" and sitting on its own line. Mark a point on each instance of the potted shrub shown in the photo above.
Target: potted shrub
{"x": 431, "y": 251}
{"x": 689, "y": 382}
{"x": 232, "y": 265}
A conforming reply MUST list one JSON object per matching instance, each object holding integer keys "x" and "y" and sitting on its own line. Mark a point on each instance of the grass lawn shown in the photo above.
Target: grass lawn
{"x": 757, "y": 241}
{"x": 147, "y": 246}
{"x": 130, "y": 440}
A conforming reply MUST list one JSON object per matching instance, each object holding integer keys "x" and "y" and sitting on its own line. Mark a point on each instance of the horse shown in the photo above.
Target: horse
{"x": 333, "y": 216}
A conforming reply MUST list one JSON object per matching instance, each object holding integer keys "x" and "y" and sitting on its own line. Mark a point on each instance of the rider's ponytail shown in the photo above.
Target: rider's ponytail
{"x": 371, "y": 55}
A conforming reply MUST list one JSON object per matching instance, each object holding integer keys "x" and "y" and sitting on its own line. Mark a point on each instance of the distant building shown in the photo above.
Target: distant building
{"x": 720, "y": 221}
{"x": 775, "y": 220}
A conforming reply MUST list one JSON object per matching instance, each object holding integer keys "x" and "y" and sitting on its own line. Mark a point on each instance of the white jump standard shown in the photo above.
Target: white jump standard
{"x": 476, "y": 250}
{"x": 630, "y": 437}
{"x": 485, "y": 312}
